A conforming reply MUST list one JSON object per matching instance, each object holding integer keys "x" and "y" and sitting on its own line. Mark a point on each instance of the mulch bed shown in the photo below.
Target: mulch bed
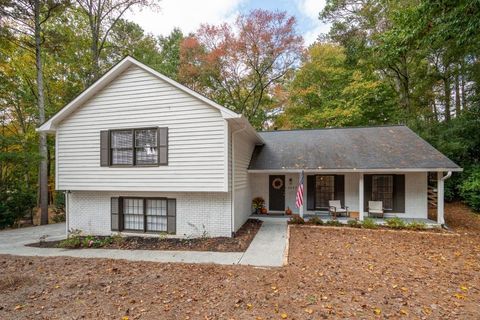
{"x": 333, "y": 273}
{"x": 239, "y": 243}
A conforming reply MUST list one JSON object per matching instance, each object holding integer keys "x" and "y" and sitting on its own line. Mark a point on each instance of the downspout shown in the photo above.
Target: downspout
{"x": 448, "y": 175}
{"x": 232, "y": 202}
{"x": 67, "y": 210}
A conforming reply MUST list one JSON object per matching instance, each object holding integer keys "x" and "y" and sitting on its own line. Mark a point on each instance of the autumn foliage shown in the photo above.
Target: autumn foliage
{"x": 239, "y": 65}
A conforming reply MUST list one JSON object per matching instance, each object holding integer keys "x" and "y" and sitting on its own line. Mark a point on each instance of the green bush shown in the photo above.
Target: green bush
{"x": 369, "y": 223}
{"x": 14, "y": 205}
{"x": 470, "y": 188}
{"x": 59, "y": 200}
{"x": 416, "y": 225}
{"x": 334, "y": 223}
{"x": 315, "y": 221}
{"x": 354, "y": 223}
{"x": 296, "y": 219}
{"x": 396, "y": 223}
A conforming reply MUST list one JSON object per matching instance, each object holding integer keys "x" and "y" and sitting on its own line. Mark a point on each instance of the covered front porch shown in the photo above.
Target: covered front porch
{"x": 404, "y": 194}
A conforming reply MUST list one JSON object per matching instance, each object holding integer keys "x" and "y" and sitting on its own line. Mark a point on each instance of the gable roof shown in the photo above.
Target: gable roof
{"x": 385, "y": 148}
{"x": 109, "y": 76}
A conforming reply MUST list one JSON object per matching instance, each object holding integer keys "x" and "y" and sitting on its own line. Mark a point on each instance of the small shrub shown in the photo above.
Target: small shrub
{"x": 76, "y": 240}
{"x": 354, "y": 223}
{"x": 72, "y": 242}
{"x": 369, "y": 223}
{"x": 315, "y": 221}
{"x": 296, "y": 219}
{"x": 396, "y": 223}
{"x": 334, "y": 223}
{"x": 416, "y": 225}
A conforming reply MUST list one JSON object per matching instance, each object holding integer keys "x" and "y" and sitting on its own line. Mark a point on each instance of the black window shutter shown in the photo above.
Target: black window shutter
{"x": 171, "y": 216}
{"x": 310, "y": 192}
{"x": 163, "y": 146}
{"x": 399, "y": 193}
{"x": 340, "y": 188}
{"x": 104, "y": 148}
{"x": 115, "y": 214}
{"x": 367, "y": 190}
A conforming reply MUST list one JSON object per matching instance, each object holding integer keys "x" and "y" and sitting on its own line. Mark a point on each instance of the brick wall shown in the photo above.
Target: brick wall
{"x": 196, "y": 212}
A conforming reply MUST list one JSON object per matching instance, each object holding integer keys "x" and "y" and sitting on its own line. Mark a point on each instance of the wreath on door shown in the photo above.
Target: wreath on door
{"x": 277, "y": 183}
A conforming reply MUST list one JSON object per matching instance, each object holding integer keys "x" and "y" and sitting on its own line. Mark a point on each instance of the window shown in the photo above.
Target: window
{"x": 133, "y": 214}
{"x": 134, "y": 147}
{"x": 141, "y": 214}
{"x": 382, "y": 190}
{"x": 324, "y": 191}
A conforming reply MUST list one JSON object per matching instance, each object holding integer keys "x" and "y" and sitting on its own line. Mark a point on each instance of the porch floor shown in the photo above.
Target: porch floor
{"x": 326, "y": 217}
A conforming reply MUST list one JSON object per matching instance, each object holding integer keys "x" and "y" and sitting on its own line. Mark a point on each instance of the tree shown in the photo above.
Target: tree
{"x": 327, "y": 91}
{"x": 28, "y": 17}
{"x": 239, "y": 66}
{"x": 103, "y": 16}
{"x": 169, "y": 56}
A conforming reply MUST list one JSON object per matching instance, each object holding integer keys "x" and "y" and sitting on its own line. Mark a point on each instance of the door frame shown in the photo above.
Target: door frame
{"x": 283, "y": 177}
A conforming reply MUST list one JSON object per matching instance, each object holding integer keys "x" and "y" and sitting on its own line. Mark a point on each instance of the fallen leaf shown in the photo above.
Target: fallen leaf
{"x": 284, "y": 315}
{"x": 459, "y": 296}
{"x": 404, "y": 312}
{"x": 309, "y": 311}
{"x": 463, "y": 288}
{"x": 377, "y": 311}
{"x": 249, "y": 306}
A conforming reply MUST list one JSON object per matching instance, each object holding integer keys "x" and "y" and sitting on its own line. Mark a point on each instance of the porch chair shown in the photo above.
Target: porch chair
{"x": 335, "y": 207}
{"x": 375, "y": 209}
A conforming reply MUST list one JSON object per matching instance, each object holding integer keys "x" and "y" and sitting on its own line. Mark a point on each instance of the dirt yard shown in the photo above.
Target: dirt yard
{"x": 333, "y": 273}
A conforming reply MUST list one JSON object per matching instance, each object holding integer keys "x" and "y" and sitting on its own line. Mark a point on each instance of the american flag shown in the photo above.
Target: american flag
{"x": 299, "y": 198}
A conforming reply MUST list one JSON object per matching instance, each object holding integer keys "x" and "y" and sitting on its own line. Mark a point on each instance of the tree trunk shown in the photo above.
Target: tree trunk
{"x": 462, "y": 84}
{"x": 43, "y": 170}
{"x": 458, "y": 107}
{"x": 447, "y": 91}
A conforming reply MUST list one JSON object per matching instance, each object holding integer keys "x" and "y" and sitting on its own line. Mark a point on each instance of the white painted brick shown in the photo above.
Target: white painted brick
{"x": 196, "y": 212}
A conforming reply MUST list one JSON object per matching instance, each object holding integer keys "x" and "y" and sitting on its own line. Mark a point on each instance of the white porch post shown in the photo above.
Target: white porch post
{"x": 440, "y": 200}
{"x": 360, "y": 197}
{"x": 300, "y": 210}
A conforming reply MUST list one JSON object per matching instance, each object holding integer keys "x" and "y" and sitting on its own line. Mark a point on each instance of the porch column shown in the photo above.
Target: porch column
{"x": 440, "y": 200}
{"x": 300, "y": 210}
{"x": 360, "y": 197}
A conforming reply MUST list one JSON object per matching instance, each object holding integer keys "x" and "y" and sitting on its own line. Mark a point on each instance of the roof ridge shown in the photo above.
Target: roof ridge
{"x": 335, "y": 128}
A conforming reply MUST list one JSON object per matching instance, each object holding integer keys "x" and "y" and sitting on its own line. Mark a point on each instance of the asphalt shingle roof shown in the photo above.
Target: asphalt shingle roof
{"x": 385, "y": 147}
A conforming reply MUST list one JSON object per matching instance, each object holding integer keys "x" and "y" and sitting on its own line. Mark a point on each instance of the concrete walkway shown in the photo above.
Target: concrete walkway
{"x": 267, "y": 248}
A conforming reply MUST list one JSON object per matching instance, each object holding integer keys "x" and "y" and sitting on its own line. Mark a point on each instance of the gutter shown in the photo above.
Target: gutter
{"x": 232, "y": 202}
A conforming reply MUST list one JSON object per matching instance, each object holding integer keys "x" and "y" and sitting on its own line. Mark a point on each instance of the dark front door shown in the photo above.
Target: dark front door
{"x": 276, "y": 194}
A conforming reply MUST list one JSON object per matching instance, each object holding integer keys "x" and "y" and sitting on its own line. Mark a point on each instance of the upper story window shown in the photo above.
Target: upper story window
{"x": 134, "y": 147}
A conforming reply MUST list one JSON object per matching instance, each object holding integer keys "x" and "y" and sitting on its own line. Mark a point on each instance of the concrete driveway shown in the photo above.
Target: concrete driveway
{"x": 266, "y": 250}
{"x": 14, "y": 238}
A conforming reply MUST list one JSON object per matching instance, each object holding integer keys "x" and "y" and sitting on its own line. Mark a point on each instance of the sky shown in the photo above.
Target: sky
{"x": 189, "y": 14}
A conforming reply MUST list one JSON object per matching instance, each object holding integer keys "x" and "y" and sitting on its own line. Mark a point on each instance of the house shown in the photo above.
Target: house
{"x": 139, "y": 152}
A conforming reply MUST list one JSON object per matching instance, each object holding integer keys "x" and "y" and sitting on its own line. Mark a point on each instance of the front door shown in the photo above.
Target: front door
{"x": 276, "y": 194}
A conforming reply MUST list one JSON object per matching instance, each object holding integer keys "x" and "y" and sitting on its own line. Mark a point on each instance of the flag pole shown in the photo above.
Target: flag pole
{"x": 302, "y": 178}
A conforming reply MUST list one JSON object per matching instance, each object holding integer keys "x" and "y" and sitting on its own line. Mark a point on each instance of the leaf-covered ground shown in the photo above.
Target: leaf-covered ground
{"x": 333, "y": 273}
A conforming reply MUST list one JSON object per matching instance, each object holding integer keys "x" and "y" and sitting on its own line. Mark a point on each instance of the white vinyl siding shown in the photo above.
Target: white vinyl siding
{"x": 243, "y": 146}
{"x": 137, "y": 99}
